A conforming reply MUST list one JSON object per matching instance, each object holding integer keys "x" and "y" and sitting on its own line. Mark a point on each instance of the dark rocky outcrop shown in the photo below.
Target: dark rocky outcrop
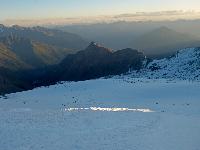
{"x": 96, "y": 61}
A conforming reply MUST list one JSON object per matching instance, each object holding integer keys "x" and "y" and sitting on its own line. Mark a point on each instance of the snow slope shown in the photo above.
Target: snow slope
{"x": 184, "y": 65}
{"x": 103, "y": 114}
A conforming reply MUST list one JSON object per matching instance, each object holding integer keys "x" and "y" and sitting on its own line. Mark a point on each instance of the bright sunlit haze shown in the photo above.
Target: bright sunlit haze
{"x": 27, "y": 12}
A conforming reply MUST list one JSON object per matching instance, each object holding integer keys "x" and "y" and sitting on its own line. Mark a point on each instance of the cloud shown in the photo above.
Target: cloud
{"x": 138, "y": 16}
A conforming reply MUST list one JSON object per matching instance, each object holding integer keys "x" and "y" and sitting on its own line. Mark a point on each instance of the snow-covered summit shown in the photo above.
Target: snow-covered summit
{"x": 184, "y": 65}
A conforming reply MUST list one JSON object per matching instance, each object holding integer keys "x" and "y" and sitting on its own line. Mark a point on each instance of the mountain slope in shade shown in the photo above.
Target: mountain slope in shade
{"x": 93, "y": 62}
{"x": 32, "y": 53}
{"x": 23, "y": 48}
{"x": 38, "y": 46}
{"x": 10, "y": 81}
{"x": 164, "y": 42}
{"x": 9, "y": 59}
{"x": 18, "y": 54}
{"x": 184, "y": 65}
{"x": 50, "y": 54}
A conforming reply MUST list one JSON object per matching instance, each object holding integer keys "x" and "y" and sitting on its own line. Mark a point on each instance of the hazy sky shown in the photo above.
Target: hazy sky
{"x": 37, "y": 9}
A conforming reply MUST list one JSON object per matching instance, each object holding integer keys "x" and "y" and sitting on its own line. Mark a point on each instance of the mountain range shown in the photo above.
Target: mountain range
{"x": 156, "y": 39}
{"x": 163, "y": 42}
{"x": 93, "y": 62}
{"x": 37, "y": 56}
{"x": 23, "y": 50}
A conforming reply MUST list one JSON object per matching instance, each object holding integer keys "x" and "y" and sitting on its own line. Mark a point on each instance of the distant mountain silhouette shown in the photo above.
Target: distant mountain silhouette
{"x": 118, "y": 35}
{"x": 51, "y": 37}
{"x": 164, "y": 42}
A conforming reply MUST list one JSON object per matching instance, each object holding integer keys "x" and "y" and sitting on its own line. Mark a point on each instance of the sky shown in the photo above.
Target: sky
{"x": 38, "y": 9}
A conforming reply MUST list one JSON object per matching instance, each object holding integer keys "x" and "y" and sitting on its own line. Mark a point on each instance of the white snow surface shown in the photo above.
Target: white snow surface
{"x": 184, "y": 65}
{"x": 102, "y": 114}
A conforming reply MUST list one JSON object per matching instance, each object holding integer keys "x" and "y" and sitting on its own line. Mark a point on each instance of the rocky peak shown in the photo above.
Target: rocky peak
{"x": 95, "y": 46}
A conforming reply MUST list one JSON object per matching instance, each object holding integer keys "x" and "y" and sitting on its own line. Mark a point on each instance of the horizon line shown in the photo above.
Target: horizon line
{"x": 166, "y": 15}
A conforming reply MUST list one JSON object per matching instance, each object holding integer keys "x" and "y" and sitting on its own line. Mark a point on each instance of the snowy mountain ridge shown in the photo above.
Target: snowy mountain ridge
{"x": 184, "y": 65}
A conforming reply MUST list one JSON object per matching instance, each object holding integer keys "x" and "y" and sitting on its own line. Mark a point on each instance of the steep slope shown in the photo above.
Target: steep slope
{"x": 23, "y": 48}
{"x": 10, "y": 64}
{"x": 184, "y": 65}
{"x": 19, "y": 57}
{"x": 48, "y": 54}
{"x": 164, "y": 42}
{"x": 33, "y": 53}
{"x": 9, "y": 59}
